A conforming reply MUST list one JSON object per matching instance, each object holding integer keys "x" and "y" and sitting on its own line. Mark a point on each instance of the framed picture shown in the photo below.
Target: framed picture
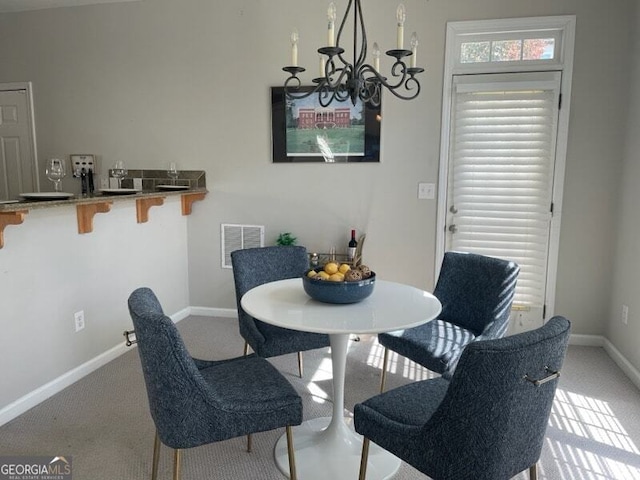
{"x": 305, "y": 131}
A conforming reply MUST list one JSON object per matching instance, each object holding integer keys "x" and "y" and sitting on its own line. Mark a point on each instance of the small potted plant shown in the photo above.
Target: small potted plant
{"x": 286, "y": 239}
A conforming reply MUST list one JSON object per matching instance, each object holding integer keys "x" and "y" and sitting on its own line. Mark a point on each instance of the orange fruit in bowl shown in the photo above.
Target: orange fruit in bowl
{"x": 331, "y": 268}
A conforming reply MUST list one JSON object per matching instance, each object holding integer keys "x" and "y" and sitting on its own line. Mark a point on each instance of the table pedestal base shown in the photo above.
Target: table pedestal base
{"x": 332, "y": 450}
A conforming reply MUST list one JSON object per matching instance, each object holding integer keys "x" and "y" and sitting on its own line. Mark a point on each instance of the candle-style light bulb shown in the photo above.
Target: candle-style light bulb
{"x": 321, "y": 65}
{"x": 294, "y": 47}
{"x": 376, "y": 56}
{"x": 414, "y": 49}
{"x": 331, "y": 16}
{"x": 401, "y": 16}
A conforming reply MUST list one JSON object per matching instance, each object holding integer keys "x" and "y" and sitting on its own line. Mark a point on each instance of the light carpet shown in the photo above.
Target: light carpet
{"x": 103, "y": 420}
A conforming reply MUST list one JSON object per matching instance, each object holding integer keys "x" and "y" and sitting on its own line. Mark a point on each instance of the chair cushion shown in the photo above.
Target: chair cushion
{"x": 411, "y": 404}
{"x": 249, "y": 384}
{"x": 395, "y": 419}
{"x": 436, "y": 345}
{"x": 280, "y": 341}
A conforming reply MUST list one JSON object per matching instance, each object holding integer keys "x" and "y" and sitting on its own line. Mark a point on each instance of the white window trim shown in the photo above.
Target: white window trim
{"x": 457, "y": 32}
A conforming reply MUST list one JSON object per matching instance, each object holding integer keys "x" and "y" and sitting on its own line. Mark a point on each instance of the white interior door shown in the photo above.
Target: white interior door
{"x": 500, "y": 177}
{"x": 18, "y": 171}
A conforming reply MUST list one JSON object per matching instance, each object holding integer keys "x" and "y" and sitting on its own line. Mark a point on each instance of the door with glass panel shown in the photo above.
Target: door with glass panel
{"x": 500, "y": 177}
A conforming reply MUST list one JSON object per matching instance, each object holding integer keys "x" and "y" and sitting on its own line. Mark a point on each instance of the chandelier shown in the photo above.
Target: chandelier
{"x": 340, "y": 79}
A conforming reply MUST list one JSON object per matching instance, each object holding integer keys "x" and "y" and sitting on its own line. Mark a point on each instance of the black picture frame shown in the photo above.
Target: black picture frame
{"x": 332, "y": 138}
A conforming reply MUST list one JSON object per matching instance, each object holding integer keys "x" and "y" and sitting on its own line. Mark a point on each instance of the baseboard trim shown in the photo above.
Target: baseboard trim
{"x": 49, "y": 389}
{"x": 56, "y": 385}
{"x": 587, "y": 340}
{"x": 624, "y": 364}
{"x": 214, "y": 312}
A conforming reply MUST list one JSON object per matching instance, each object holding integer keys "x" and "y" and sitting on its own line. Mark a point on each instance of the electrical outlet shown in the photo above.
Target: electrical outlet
{"x": 137, "y": 183}
{"x": 78, "y": 162}
{"x": 426, "y": 191}
{"x": 104, "y": 182}
{"x": 625, "y": 314}
{"x": 79, "y": 319}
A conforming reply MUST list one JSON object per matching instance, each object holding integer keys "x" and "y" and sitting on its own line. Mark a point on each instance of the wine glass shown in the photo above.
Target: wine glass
{"x": 172, "y": 172}
{"x": 119, "y": 171}
{"x": 55, "y": 172}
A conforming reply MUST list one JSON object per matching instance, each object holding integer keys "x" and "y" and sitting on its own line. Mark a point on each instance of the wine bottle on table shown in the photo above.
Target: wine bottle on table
{"x": 352, "y": 246}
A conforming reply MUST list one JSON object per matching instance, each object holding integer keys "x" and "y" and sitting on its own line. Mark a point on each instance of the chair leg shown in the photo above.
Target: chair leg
{"x": 291, "y": 454}
{"x": 364, "y": 459}
{"x": 156, "y": 457}
{"x": 249, "y": 443}
{"x": 383, "y": 377}
{"x": 246, "y": 348}
{"x": 176, "y": 464}
{"x": 300, "y": 363}
{"x": 533, "y": 472}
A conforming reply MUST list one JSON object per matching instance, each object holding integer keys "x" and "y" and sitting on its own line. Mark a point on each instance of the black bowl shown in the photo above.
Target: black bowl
{"x": 327, "y": 291}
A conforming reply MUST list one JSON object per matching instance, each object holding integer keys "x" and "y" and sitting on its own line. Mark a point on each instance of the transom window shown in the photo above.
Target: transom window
{"x": 507, "y": 45}
{"x": 508, "y": 50}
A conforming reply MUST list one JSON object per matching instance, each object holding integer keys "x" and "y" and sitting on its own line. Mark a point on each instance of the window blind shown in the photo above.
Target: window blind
{"x": 501, "y": 175}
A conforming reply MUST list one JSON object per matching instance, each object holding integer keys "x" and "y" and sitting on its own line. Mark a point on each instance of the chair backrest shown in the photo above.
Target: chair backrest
{"x": 476, "y": 292}
{"x": 256, "y": 266}
{"x": 492, "y": 421}
{"x": 171, "y": 376}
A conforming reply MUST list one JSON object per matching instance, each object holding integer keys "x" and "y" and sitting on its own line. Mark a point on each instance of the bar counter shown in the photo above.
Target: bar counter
{"x": 87, "y": 206}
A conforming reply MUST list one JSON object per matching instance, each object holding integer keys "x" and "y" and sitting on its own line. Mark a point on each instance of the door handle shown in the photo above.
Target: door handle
{"x": 453, "y": 228}
{"x": 453, "y": 209}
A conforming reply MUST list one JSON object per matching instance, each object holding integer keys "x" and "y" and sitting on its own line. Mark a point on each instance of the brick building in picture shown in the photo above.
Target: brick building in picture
{"x": 319, "y": 117}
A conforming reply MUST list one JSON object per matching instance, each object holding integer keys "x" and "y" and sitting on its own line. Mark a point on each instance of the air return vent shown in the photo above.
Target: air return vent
{"x": 236, "y": 237}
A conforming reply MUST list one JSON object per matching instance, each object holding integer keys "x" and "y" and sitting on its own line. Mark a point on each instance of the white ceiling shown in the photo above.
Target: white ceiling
{"x": 22, "y": 5}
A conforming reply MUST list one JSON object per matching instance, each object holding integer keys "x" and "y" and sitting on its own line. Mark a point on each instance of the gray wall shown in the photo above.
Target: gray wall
{"x": 157, "y": 81}
{"x": 626, "y": 275}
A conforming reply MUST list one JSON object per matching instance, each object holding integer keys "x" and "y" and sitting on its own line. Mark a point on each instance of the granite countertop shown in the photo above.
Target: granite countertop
{"x": 96, "y": 198}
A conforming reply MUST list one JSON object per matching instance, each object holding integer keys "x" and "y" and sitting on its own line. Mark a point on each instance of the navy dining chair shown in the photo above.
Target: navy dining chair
{"x": 476, "y": 293}
{"x": 256, "y": 266}
{"x": 487, "y": 423}
{"x": 195, "y": 402}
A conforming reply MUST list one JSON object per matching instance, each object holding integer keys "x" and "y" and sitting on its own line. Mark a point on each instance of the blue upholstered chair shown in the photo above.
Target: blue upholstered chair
{"x": 256, "y": 266}
{"x": 476, "y": 293}
{"x": 194, "y": 402}
{"x": 487, "y": 423}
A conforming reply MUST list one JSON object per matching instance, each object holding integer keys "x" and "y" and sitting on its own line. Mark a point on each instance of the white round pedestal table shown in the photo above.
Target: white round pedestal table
{"x": 328, "y": 447}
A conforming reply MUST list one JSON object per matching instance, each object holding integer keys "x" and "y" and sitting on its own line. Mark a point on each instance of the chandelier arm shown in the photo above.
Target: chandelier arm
{"x": 363, "y": 47}
{"x": 342, "y": 24}
{"x": 408, "y": 82}
{"x": 342, "y": 72}
{"x": 293, "y": 91}
{"x": 324, "y": 93}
